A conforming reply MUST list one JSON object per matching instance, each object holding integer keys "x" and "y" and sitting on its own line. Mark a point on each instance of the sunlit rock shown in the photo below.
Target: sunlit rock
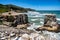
{"x": 3, "y": 38}
{"x": 24, "y": 37}
{"x": 33, "y": 36}
{"x": 50, "y": 23}
{"x": 50, "y": 20}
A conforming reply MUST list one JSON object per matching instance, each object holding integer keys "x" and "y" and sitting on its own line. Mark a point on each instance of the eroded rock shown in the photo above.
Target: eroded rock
{"x": 50, "y": 24}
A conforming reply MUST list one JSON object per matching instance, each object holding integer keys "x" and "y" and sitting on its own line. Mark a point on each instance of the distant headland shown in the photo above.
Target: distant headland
{"x": 8, "y": 7}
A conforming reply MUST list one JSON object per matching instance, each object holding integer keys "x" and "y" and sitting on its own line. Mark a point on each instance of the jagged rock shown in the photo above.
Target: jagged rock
{"x": 15, "y": 18}
{"x": 25, "y": 37}
{"x": 20, "y": 19}
{"x": 50, "y": 20}
{"x": 33, "y": 36}
{"x": 50, "y": 23}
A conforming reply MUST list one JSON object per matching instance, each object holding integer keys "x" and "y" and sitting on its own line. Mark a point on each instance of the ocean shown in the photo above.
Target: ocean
{"x": 38, "y": 17}
{"x": 37, "y": 20}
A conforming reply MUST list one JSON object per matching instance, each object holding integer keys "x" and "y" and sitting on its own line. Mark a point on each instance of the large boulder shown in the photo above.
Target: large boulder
{"x": 50, "y": 24}
{"x": 20, "y": 19}
{"x": 50, "y": 20}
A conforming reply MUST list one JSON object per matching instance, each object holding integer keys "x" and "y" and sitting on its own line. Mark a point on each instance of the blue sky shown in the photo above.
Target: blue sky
{"x": 35, "y": 4}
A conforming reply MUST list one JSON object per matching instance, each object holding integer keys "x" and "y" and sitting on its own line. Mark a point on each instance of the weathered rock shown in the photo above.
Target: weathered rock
{"x": 50, "y": 24}
{"x": 10, "y": 18}
{"x": 50, "y": 20}
{"x": 25, "y": 37}
{"x": 21, "y": 19}
{"x": 22, "y": 26}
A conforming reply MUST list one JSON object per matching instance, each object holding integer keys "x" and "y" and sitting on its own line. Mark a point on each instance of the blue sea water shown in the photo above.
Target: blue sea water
{"x": 38, "y": 17}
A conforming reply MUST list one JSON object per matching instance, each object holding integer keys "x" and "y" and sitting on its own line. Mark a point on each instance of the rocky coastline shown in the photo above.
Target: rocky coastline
{"x": 16, "y": 29}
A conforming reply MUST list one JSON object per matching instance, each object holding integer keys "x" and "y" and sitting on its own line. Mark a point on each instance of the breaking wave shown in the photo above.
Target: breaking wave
{"x": 58, "y": 19}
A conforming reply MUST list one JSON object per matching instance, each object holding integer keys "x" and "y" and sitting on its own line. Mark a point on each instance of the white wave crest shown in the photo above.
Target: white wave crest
{"x": 34, "y": 19}
{"x": 58, "y": 19}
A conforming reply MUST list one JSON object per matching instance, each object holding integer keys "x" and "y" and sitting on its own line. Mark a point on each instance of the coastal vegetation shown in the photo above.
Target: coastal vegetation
{"x": 8, "y": 7}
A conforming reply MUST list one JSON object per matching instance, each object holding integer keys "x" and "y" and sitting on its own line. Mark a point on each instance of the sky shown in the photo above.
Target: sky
{"x": 35, "y": 4}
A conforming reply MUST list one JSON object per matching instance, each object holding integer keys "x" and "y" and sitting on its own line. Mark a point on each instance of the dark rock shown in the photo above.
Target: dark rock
{"x": 50, "y": 20}
{"x": 21, "y": 19}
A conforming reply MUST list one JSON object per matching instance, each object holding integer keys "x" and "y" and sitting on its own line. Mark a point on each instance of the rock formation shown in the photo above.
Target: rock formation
{"x": 13, "y": 19}
{"x": 50, "y": 20}
{"x": 21, "y": 19}
{"x": 50, "y": 23}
